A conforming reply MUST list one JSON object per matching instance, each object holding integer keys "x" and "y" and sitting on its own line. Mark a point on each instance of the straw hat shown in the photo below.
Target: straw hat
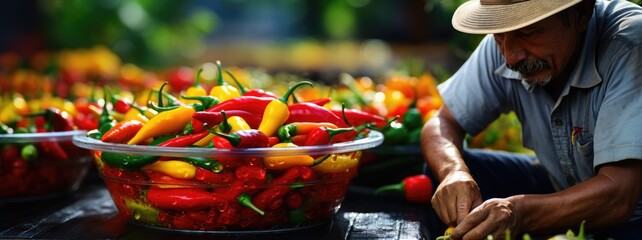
{"x": 497, "y": 16}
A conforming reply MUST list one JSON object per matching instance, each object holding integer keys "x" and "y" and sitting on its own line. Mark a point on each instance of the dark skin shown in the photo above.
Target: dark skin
{"x": 606, "y": 199}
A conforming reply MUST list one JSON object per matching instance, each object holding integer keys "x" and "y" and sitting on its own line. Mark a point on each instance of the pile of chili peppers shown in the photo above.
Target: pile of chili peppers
{"x": 35, "y": 166}
{"x": 230, "y": 192}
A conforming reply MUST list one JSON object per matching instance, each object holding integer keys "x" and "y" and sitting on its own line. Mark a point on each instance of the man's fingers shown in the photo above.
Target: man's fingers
{"x": 463, "y": 208}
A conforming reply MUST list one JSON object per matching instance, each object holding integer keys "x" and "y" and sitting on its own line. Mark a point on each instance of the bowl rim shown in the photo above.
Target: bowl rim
{"x": 38, "y": 137}
{"x": 373, "y": 139}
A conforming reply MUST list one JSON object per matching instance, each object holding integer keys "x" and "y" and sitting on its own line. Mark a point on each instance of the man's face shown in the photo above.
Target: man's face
{"x": 541, "y": 51}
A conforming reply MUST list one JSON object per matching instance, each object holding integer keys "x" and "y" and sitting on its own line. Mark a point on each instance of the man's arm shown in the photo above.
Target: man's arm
{"x": 441, "y": 142}
{"x": 605, "y": 199}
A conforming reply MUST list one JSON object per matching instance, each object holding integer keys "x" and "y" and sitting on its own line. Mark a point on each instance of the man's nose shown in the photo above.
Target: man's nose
{"x": 511, "y": 47}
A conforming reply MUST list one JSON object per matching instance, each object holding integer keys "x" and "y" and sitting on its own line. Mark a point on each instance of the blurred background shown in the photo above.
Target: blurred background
{"x": 319, "y": 38}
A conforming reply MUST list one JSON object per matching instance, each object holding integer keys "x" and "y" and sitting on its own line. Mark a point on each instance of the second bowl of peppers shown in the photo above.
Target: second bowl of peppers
{"x": 228, "y": 190}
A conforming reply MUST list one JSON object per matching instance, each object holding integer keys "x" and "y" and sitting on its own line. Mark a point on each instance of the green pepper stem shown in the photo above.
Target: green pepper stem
{"x": 287, "y": 94}
{"x": 242, "y": 88}
{"x": 398, "y": 187}
{"x": 207, "y": 101}
{"x": 245, "y": 200}
{"x": 332, "y": 132}
{"x": 220, "y": 74}
{"x": 321, "y": 159}
{"x": 349, "y": 81}
{"x": 197, "y": 81}
{"x": 234, "y": 139}
{"x": 159, "y": 108}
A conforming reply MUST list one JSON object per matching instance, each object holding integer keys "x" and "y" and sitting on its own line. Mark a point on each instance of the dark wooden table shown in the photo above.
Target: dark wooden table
{"x": 91, "y": 214}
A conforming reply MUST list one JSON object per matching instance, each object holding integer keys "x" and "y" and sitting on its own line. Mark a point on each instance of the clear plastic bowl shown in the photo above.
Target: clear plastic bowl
{"x": 54, "y": 166}
{"x": 205, "y": 196}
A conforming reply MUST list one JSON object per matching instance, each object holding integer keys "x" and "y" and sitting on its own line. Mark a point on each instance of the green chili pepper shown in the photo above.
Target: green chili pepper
{"x": 412, "y": 119}
{"x": 95, "y": 134}
{"x": 29, "y": 152}
{"x": 246, "y": 200}
{"x": 414, "y": 136}
{"x": 296, "y": 216}
{"x": 126, "y": 161}
{"x": 396, "y": 133}
{"x": 205, "y": 163}
{"x": 142, "y": 212}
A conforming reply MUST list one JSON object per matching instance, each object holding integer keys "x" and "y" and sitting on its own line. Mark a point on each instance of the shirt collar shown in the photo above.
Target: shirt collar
{"x": 584, "y": 75}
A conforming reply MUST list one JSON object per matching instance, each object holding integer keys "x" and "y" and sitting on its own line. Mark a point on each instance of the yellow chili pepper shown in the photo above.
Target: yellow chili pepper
{"x": 288, "y": 161}
{"x": 238, "y": 123}
{"x": 340, "y": 162}
{"x": 284, "y": 162}
{"x": 223, "y": 91}
{"x": 195, "y": 90}
{"x": 166, "y": 122}
{"x": 134, "y": 114}
{"x": 174, "y": 168}
{"x": 277, "y": 112}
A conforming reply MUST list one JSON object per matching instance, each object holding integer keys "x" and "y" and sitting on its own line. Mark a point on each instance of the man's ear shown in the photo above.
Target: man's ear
{"x": 584, "y": 14}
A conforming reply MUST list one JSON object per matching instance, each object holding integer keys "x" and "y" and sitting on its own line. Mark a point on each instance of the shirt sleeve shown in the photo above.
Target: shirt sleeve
{"x": 474, "y": 93}
{"x": 618, "y": 131}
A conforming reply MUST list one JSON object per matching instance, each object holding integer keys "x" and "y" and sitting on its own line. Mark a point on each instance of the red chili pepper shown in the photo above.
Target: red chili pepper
{"x": 210, "y": 177}
{"x": 357, "y": 117}
{"x": 320, "y": 101}
{"x": 273, "y": 141}
{"x": 53, "y": 149}
{"x": 253, "y": 175}
{"x": 299, "y": 140}
{"x": 122, "y": 106}
{"x": 281, "y": 186}
{"x": 294, "y": 200}
{"x": 245, "y": 138}
{"x": 416, "y": 188}
{"x": 197, "y": 126}
{"x": 182, "y": 199}
{"x": 255, "y": 105}
{"x": 309, "y": 112}
{"x": 184, "y": 141}
{"x": 324, "y": 135}
{"x": 215, "y": 118}
{"x": 122, "y": 132}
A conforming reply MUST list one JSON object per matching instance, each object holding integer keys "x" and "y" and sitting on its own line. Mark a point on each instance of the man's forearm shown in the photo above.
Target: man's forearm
{"x": 606, "y": 199}
{"x": 441, "y": 142}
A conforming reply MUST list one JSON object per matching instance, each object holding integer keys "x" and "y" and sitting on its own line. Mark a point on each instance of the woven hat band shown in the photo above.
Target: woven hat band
{"x": 500, "y": 2}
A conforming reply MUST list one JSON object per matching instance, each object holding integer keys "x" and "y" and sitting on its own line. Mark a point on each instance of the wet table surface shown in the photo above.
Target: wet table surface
{"x": 91, "y": 214}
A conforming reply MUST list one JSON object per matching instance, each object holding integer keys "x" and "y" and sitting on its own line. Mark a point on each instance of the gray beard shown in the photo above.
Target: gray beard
{"x": 538, "y": 82}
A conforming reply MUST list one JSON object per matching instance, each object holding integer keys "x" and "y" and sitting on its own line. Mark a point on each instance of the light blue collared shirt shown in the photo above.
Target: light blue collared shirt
{"x": 600, "y": 108}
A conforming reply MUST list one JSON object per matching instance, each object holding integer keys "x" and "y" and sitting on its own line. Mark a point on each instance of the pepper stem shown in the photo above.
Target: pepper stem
{"x": 220, "y": 73}
{"x": 206, "y": 101}
{"x": 332, "y": 132}
{"x": 245, "y": 200}
{"x": 197, "y": 82}
{"x": 321, "y": 159}
{"x": 287, "y": 94}
{"x": 349, "y": 81}
{"x": 233, "y": 139}
{"x": 242, "y": 88}
{"x": 398, "y": 187}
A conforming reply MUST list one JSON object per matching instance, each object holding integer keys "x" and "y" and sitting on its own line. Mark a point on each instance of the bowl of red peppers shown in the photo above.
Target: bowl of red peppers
{"x": 230, "y": 160}
{"x": 39, "y": 160}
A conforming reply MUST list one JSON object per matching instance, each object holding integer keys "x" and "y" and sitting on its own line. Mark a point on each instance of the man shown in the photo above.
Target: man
{"x": 572, "y": 72}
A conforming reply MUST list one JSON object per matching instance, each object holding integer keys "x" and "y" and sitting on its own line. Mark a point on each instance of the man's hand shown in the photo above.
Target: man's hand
{"x": 455, "y": 197}
{"x": 494, "y": 217}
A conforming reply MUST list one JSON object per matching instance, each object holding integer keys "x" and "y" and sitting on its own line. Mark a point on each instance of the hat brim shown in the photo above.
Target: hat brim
{"x": 475, "y": 18}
